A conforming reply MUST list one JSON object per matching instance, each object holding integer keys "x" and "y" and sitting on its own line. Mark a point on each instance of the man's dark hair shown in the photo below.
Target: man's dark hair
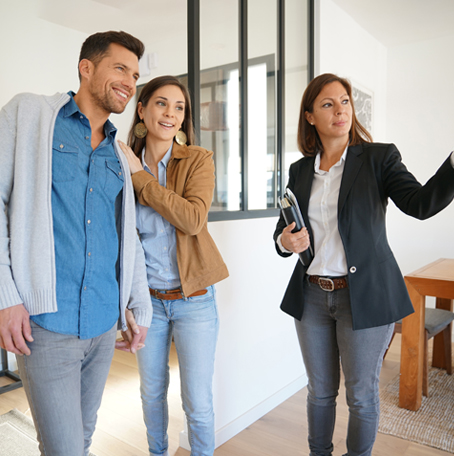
{"x": 96, "y": 46}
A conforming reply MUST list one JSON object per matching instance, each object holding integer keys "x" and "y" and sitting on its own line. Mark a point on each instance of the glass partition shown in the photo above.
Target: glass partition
{"x": 261, "y": 152}
{"x": 296, "y": 75}
{"x": 220, "y": 98}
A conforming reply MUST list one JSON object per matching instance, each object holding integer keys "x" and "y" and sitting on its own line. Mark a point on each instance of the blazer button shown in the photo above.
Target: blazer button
{"x": 353, "y": 269}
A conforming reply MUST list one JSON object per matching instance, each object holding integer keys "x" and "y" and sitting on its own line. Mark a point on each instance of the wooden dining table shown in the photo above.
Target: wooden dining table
{"x": 435, "y": 279}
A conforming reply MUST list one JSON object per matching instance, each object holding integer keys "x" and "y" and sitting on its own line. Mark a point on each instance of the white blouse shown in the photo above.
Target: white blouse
{"x": 329, "y": 255}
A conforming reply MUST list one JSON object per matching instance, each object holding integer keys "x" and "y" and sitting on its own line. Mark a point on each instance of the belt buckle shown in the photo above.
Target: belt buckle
{"x": 326, "y": 284}
{"x": 157, "y": 293}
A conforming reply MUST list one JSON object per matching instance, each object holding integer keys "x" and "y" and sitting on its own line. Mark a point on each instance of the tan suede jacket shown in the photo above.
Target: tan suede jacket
{"x": 185, "y": 204}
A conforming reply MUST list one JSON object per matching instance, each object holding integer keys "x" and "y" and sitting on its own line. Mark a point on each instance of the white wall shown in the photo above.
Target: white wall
{"x": 37, "y": 56}
{"x": 258, "y": 361}
{"x": 348, "y": 50}
{"x": 420, "y": 119}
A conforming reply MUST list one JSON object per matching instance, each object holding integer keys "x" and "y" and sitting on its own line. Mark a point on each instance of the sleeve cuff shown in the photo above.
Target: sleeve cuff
{"x": 281, "y": 247}
{"x": 143, "y": 317}
{"x": 452, "y": 159}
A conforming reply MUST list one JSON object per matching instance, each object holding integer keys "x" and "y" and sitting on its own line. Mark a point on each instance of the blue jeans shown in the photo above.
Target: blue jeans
{"x": 194, "y": 325}
{"x": 64, "y": 379}
{"x": 327, "y": 341}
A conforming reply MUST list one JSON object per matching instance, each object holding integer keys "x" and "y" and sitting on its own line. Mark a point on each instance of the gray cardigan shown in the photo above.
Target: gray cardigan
{"x": 27, "y": 256}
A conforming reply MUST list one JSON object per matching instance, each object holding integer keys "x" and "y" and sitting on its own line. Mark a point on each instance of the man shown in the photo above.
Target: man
{"x": 70, "y": 258}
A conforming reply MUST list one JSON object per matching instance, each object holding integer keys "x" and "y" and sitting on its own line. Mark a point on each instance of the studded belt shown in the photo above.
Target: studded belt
{"x": 329, "y": 284}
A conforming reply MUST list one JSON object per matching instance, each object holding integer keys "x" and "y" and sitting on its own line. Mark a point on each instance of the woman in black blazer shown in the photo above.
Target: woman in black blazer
{"x": 346, "y": 301}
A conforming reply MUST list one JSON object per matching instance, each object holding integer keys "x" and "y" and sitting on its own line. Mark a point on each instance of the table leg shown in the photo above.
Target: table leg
{"x": 438, "y": 358}
{"x": 412, "y": 353}
{"x": 5, "y": 372}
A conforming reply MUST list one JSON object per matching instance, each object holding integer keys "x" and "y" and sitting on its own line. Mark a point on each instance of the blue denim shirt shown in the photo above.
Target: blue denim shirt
{"x": 85, "y": 186}
{"x": 158, "y": 238}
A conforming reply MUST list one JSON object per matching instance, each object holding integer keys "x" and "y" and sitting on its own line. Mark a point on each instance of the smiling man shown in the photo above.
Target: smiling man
{"x": 70, "y": 258}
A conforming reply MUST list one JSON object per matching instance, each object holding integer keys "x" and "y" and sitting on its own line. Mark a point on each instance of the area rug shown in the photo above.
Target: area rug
{"x": 18, "y": 435}
{"x": 432, "y": 424}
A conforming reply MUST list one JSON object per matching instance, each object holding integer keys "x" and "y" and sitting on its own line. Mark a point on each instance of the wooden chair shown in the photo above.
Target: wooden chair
{"x": 436, "y": 321}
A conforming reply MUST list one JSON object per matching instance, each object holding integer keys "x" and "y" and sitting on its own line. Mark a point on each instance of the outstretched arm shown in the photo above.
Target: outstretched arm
{"x": 412, "y": 198}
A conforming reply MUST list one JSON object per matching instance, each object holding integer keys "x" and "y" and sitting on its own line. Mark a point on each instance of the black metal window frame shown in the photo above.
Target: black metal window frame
{"x": 194, "y": 89}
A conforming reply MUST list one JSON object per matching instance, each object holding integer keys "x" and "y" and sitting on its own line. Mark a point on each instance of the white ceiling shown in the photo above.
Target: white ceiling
{"x": 392, "y": 22}
{"x": 395, "y": 22}
{"x": 142, "y": 18}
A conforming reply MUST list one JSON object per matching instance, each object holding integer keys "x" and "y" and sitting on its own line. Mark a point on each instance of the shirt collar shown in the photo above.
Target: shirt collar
{"x": 165, "y": 160}
{"x": 71, "y": 109}
{"x": 339, "y": 163}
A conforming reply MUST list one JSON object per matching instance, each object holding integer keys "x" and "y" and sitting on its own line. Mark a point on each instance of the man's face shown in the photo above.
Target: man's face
{"x": 113, "y": 81}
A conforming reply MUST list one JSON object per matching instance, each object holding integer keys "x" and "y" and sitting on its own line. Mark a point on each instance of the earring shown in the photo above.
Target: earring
{"x": 140, "y": 130}
{"x": 181, "y": 137}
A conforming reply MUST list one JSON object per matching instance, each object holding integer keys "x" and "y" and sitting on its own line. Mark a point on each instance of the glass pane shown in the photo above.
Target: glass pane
{"x": 296, "y": 75}
{"x": 262, "y": 45}
{"x": 219, "y": 96}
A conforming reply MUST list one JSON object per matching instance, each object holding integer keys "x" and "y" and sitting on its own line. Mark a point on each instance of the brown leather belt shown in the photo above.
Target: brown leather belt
{"x": 327, "y": 284}
{"x": 173, "y": 295}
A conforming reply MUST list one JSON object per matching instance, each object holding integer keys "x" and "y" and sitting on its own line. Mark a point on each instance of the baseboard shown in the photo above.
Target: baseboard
{"x": 251, "y": 416}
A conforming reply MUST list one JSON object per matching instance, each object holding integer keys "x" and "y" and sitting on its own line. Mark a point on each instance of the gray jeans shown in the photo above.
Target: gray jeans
{"x": 327, "y": 341}
{"x": 64, "y": 379}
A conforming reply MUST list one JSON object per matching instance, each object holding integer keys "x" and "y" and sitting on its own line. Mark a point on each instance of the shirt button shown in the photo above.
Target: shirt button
{"x": 85, "y": 288}
{"x": 91, "y": 189}
{"x": 87, "y": 137}
{"x": 61, "y": 146}
{"x": 165, "y": 248}
{"x": 81, "y": 117}
{"x": 89, "y": 253}
{"x": 119, "y": 173}
{"x": 89, "y": 221}
{"x": 353, "y": 269}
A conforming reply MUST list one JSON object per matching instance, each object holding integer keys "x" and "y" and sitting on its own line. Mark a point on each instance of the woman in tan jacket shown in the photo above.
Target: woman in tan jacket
{"x": 174, "y": 182}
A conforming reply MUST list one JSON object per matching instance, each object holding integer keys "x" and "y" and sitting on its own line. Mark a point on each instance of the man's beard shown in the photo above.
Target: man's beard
{"x": 107, "y": 102}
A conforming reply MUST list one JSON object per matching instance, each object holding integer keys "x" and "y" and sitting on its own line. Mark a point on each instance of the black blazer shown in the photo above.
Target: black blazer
{"x": 373, "y": 173}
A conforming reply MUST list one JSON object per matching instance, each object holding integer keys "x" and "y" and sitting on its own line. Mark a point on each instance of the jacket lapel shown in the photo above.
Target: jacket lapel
{"x": 353, "y": 164}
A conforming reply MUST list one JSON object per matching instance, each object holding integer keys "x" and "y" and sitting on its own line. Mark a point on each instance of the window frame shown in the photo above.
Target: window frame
{"x": 243, "y": 61}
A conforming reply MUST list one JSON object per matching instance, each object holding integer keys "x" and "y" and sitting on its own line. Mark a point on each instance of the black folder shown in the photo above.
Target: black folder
{"x": 292, "y": 213}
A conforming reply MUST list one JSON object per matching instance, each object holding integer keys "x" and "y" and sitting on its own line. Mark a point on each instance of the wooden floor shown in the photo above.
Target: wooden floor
{"x": 282, "y": 432}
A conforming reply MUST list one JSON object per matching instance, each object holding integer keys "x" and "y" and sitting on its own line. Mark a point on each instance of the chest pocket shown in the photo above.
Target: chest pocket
{"x": 114, "y": 179}
{"x": 64, "y": 161}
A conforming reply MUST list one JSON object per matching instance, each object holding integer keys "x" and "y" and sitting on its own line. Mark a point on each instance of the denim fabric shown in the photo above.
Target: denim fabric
{"x": 64, "y": 379}
{"x": 327, "y": 341}
{"x": 85, "y": 186}
{"x": 158, "y": 237}
{"x": 194, "y": 325}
